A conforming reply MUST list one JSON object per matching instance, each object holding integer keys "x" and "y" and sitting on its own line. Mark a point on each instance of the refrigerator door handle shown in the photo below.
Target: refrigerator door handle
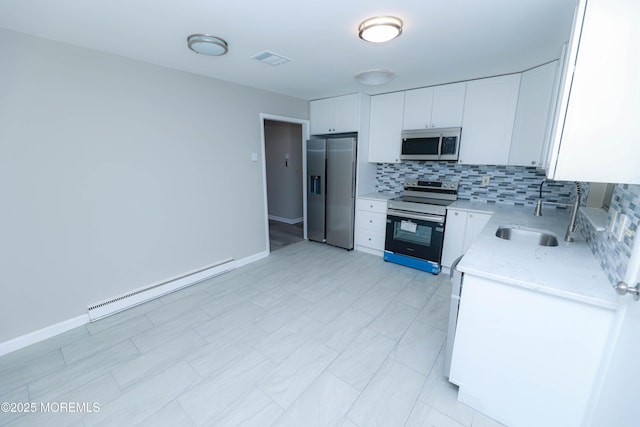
{"x": 353, "y": 181}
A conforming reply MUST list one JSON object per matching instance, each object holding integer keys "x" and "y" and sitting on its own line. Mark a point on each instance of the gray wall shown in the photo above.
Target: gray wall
{"x": 115, "y": 174}
{"x": 284, "y": 181}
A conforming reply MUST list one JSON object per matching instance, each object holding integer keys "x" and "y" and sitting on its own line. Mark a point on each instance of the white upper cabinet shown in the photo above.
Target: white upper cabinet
{"x": 532, "y": 115}
{"x": 386, "y": 127}
{"x": 448, "y": 105}
{"x": 335, "y": 115}
{"x": 431, "y": 107}
{"x": 417, "y": 108}
{"x": 597, "y": 127}
{"x": 487, "y": 124}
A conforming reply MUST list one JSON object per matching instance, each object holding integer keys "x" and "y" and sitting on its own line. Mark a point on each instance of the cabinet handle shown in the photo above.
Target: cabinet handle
{"x": 369, "y": 238}
{"x": 371, "y": 206}
{"x": 455, "y": 213}
{"x": 533, "y": 162}
{"x": 370, "y": 221}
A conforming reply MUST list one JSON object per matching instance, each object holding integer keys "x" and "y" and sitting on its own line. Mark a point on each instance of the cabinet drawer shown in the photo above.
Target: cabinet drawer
{"x": 371, "y": 221}
{"x": 370, "y": 239}
{"x": 378, "y": 206}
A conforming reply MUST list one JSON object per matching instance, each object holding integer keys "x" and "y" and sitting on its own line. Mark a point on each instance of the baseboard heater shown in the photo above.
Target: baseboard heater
{"x": 141, "y": 295}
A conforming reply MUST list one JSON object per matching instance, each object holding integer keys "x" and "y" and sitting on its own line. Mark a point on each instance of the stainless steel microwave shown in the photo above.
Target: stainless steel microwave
{"x": 431, "y": 144}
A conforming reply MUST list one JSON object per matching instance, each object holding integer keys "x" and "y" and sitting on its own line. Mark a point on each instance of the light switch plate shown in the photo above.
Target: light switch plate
{"x": 485, "y": 180}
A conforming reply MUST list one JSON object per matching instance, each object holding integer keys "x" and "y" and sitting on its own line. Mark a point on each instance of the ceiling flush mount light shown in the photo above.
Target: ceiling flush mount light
{"x": 207, "y": 45}
{"x": 380, "y": 29}
{"x": 375, "y": 77}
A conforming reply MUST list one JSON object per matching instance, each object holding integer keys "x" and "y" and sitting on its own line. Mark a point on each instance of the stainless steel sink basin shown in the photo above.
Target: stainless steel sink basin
{"x": 528, "y": 235}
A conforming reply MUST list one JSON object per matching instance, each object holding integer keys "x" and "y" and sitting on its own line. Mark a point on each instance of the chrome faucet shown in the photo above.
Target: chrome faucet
{"x": 568, "y": 237}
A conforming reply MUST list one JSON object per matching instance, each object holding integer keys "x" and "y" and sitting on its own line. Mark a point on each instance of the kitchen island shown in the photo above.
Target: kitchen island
{"x": 533, "y": 322}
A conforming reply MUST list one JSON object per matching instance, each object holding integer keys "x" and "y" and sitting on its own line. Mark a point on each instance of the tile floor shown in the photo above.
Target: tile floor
{"x": 282, "y": 234}
{"x": 312, "y": 335}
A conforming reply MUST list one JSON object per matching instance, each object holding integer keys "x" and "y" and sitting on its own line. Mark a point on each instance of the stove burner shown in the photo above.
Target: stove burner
{"x": 427, "y": 197}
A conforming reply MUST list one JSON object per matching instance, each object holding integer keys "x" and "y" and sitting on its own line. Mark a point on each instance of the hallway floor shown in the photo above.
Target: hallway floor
{"x": 282, "y": 234}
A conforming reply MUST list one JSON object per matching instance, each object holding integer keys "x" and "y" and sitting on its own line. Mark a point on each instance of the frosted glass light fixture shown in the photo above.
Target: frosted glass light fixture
{"x": 375, "y": 77}
{"x": 207, "y": 45}
{"x": 380, "y": 29}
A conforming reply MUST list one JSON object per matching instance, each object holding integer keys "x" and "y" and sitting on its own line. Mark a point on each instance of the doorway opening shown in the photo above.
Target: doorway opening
{"x": 284, "y": 170}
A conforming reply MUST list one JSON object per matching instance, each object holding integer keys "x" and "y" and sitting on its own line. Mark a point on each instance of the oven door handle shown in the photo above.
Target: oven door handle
{"x": 405, "y": 214}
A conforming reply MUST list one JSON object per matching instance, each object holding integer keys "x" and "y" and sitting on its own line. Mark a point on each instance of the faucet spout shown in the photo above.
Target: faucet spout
{"x": 574, "y": 215}
{"x": 538, "y": 210}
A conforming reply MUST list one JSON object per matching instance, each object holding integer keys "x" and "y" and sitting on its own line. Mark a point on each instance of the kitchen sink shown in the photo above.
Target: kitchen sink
{"x": 527, "y": 235}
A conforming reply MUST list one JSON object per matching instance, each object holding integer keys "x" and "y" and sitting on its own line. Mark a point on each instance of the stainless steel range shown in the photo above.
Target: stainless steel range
{"x": 415, "y": 223}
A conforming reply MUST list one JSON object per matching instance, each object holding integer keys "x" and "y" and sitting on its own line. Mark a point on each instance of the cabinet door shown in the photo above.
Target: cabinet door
{"x": 346, "y": 110}
{"x": 322, "y": 116}
{"x": 597, "y": 138}
{"x": 448, "y": 105}
{"x": 475, "y": 223}
{"x": 454, "y": 231}
{"x": 532, "y": 115}
{"x": 487, "y": 123}
{"x": 517, "y": 351}
{"x": 386, "y": 127}
{"x": 335, "y": 115}
{"x": 417, "y": 108}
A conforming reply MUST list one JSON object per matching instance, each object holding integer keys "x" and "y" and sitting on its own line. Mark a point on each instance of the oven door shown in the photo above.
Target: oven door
{"x": 414, "y": 234}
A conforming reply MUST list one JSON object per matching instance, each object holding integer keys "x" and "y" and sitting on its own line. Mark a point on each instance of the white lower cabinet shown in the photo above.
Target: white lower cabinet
{"x": 526, "y": 358}
{"x": 461, "y": 228}
{"x": 371, "y": 217}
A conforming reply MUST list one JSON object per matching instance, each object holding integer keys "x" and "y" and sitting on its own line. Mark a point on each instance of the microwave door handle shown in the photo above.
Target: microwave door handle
{"x": 440, "y": 147}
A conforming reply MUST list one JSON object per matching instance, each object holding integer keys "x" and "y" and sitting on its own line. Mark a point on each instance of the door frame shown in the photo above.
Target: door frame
{"x": 305, "y": 136}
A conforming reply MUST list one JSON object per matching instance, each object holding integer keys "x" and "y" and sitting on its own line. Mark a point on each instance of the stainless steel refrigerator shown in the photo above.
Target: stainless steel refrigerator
{"x": 331, "y": 183}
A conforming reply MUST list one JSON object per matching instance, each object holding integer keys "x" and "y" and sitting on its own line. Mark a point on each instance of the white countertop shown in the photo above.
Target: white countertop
{"x": 569, "y": 270}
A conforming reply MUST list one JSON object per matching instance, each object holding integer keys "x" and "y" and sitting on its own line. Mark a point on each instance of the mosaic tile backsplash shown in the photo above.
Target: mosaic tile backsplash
{"x": 513, "y": 185}
{"x": 613, "y": 255}
{"x": 516, "y": 185}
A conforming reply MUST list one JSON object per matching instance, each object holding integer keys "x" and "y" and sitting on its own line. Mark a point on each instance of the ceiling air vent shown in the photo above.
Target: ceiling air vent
{"x": 271, "y": 58}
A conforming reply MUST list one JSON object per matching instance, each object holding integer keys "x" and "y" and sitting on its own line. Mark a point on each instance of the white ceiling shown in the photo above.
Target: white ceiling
{"x": 443, "y": 40}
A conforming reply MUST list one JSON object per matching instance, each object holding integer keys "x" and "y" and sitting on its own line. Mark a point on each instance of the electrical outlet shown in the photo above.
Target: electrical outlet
{"x": 485, "y": 180}
{"x": 623, "y": 220}
{"x": 612, "y": 222}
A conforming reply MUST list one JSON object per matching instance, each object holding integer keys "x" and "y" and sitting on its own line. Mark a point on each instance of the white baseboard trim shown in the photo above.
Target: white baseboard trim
{"x": 286, "y": 220}
{"x": 251, "y": 258}
{"x": 47, "y": 332}
{"x": 370, "y": 250}
{"x": 42, "y": 334}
